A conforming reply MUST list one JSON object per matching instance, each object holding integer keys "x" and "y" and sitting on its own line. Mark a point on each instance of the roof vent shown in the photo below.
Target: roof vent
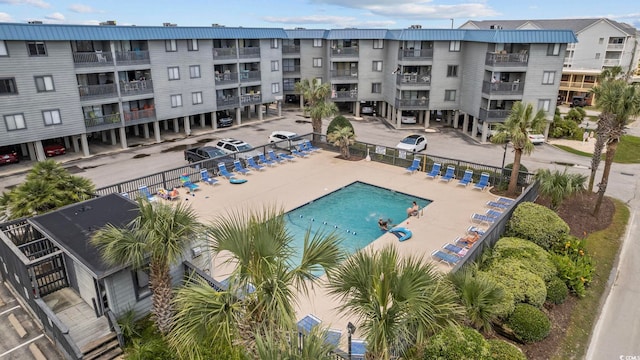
{"x": 169, "y": 24}
{"x": 300, "y": 28}
{"x": 415, "y": 27}
{"x": 495, "y": 27}
{"x": 108, "y": 23}
{"x": 217, "y": 25}
{"x": 35, "y": 22}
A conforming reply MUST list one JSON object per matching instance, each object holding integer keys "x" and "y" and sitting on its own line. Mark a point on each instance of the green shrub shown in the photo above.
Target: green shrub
{"x": 563, "y": 128}
{"x": 522, "y": 177}
{"x": 575, "y": 115}
{"x": 531, "y": 256}
{"x": 339, "y": 121}
{"x": 523, "y": 284}
{"x": 528, "y": 323}
{"x": 557, "y": 291}
{"x": 576, "y": 273}
{"x": 457, "y": 343}
{"x": 502, "y": 350}
{"x": 537, "y": 223}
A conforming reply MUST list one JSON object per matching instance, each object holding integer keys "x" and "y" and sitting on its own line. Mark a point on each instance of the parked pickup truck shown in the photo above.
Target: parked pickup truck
{"x": 208, "y": 153}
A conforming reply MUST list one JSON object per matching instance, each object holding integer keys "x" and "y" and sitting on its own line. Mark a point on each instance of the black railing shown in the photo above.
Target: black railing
{"x": 114, "y": 326}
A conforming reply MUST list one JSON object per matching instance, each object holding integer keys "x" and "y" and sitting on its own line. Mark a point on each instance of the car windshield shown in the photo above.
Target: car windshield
{"x": 409, "y": 140}
{"x": 244, "y": 147}
{"x": 215, "y": 152}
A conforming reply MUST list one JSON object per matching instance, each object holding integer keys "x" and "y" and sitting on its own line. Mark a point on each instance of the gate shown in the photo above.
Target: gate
{"x": 50, "y": 274}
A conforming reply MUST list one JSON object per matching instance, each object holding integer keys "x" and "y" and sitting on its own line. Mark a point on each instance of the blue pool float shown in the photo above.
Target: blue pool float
{"x": 237, "y": 181}
{"x": 402, "y": 233}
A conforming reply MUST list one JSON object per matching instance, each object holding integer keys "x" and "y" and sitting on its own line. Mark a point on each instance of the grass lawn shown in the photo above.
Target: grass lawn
{"x": 603, "y": 246}
{"x": 628, "y": 151}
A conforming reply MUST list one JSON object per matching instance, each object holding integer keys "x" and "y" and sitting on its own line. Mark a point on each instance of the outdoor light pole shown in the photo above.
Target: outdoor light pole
{"x": 350, "y": 330}
{"x": 504, "y": 155}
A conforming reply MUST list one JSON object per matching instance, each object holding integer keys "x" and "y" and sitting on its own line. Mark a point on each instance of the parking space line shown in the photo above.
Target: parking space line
{"x": 9, "y": 310}
{"x": 21, "y": 345}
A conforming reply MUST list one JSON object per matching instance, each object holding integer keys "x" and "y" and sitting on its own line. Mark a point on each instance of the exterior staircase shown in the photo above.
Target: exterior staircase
{"x": 103, "y": 348}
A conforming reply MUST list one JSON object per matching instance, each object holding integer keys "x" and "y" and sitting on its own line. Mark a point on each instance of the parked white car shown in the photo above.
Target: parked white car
{"x": 285, "y": 139}
{"x": 232, "y": 146}
{"x": 413, "y": 143}
{"x": 536, "y": 139}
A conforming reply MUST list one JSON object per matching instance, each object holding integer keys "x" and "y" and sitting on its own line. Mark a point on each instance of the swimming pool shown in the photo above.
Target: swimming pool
{"x": 352, "y": 211}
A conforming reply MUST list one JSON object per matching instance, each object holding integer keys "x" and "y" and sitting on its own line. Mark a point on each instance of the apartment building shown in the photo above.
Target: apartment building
{"x": 76, "y": 83}
{"x": 601, "y": 43}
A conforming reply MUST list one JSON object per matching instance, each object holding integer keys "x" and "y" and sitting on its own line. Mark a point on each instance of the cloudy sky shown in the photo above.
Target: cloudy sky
{"x": 311, "y": 13}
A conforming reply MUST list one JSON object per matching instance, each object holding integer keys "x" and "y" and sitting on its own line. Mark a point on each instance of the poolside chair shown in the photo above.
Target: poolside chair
{"x": 252, "y": 164}
{"x": 237, "y": 165}
{"x": 415, "y": 165}
{"x": 504, "y": 200}
{"x": 274, "y": 157}
{"x": 450, "y": 174}
{"x": 204, "y": 175}
{"x": 307, "y": 323}
{"x": 286, "y": 156}
{"x": 483, "y": 183}
{"x": 456, "y": 250}
{"x": 358, "y": 349}
{"x": 480, "y": 218}
{"x": 186, "y": 182}
{"x": 333, "y": 337}
{"x": 146, "y": 194}
{"x": 497, "y": 205}
{"x": 222, "y": 170}
{"x": 435, "y": 171}
{"x": 467, "y": 241}
{"x": 299, "y": 153}
{"x": 266, "y": 161}
{"x": 466, "y": 179}
{"x": 446, "y": 258}
{"x": 310, "y": 146}
{"x": 476, "y": 230}
{"x": 494, "y": 213}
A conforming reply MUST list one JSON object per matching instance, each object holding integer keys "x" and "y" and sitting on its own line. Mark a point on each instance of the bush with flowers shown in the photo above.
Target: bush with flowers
{"x": 575, "y": 266}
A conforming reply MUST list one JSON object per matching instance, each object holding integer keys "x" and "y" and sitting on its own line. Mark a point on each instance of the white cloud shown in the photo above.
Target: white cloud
{"x": 4, "y": 17}
{"x": 417, "y": 9}
{"x": 82, "y": 9}
{"x": 56, "y": 17}
{"x": 37, "y": 3}
{"x": 330, "y": 21}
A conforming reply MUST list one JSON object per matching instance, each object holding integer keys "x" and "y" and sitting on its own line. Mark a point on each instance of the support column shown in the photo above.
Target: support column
{"x": 389, "y": 114}
{"x": 427, "y": 119}
{"x": 31, "y": 150}
{"x": 474, "y": 127}
{"x": 85, "y": 145}
{"x": 103, "y": 136}
{"x": 259, "y": 106}
{"x": 156, "y": 131}
{"x": 123, "y": 137}
{"x": 301, "y": 102}
{"x": 202, "y": 121}
{"x": 145, "y": 131}
{"x": 76, "y": 148}
{"x": 165, "y": 124}
{"x": 214, "y": 120}
{"x": 66, "y": 142}
{"x": 40, "y": 156}
{"x": 455, "y": 119}
{"x": 420, "y": 119}
{"x": 176, "y": 125}
{"x": 357, "y": 109}
{"x": 398, "y": 118}
{"x": 279, "y": 104}
{"x": 112, "y": 136}
{"x": 238, "y": 116}
{"x": 465, "y": 123}
{"x": 485, "y": 131}
{"x": 187, "y": 126}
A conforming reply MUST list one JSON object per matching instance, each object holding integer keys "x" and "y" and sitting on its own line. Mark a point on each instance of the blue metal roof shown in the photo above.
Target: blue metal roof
{"x": 54, "y": 32}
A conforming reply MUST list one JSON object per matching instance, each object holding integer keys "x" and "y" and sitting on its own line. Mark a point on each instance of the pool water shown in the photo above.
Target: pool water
{"x": 353, "y": 212}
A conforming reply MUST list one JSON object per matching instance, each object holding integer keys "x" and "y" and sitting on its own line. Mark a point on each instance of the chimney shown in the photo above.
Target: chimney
{"x": 167, "y": 24}
{"x": 108, "y": 23}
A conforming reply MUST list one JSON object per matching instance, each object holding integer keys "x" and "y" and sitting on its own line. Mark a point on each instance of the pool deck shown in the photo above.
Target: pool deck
{"x": 293, "y": 184}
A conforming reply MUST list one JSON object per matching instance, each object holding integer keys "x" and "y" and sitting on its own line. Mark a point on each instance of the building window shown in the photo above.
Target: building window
{"x": 141, "y": 284}
{"x": 171, "y": 45}
{"x": 275, "y": 65}
{"x": 376, "y": 88}
{"x": 317, "y": 42}
{"x": 275, "y": 88}
{"x": 8, "y": 86}
{"x": 192, "y": 45}
{"x": 319, "y": 80}
{"x": 317, "y": 62}
{"x": 174, "y": 73}
{"x": 3, "y": 48}
{"x": 452, "y": 70}
{"x": 616, "y": 40}
{"x": 15, "y": 122}
{"x": 544, "y": 105}
{"x": 274, "y": 43}
{"x": 449, "y": 95}
{"x": 548, "y": 77}
{"x": 51, "y": 117}
{"x": 601, "y": 41}
{"x": 597, "y": 56}
{"x": 36, "y": 48}
{"x": 377, "y": 65}
{"x": 454, "y": 45}
{"x": 44, "y": 83}
{"x": 378, "y": 43}
{"x": 553, "y": 49}
{"x": 196, "y": 97}
{"x": 194, "y": 71}
{"x": 176, "y": 101}
{"x": 289, "y": 84}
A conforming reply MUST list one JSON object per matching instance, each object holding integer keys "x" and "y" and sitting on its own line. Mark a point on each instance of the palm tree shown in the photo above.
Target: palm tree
{"x": 315, "y": 96}
{"x": 398, "y": 301}
{"x": 342, "y": 137}
{"x": 311, "y": 346}
{"x": 261, "y": 291}
{"x": 47, "y": 187}
{"x": 516, "y": 129}
{"x": 156, "y": 239}
{"x": 559, "y": 185}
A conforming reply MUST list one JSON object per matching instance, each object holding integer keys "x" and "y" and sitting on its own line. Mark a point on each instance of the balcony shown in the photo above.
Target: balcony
{"x": 289, "y": 70}
{"x": 249, "y": 52}
{"x": 348, "y": 74}
{"x": 248, "y": 76}
{"x": 224, "y": 53}
{"x": 90, "y": 59}
{"x": 226, "y": 78}
{"x": 493, "y": 114}
{"x": 136, "y": 116}
{"x": 250, "y": 99}
{"x": 503, "y": 88}
{"x": 412, "y": 104}
{"x": 413, "y": 79}
{"x": 345, "y": 95}
{"x": 577, "y": 84}
{"x": 229, "y": 102}
{"x": 615, "y": 47}
{"x": 571, "y": 46}
{"x": 132, "y": 57}
{"x": 507, "y": 59}
{"x": 611, "y": 62}
{"x": 345, "y": 52}
{"x": 106, "y": 121}
{"x": 291, "y": 49}
{"x": 90, "y": 92}
{"x": 136, "y": 87}
{"x": 415, "y": 54}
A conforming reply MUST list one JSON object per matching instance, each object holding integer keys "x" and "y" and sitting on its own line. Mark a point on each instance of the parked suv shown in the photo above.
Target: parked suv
{"x": 284, "y": 139}
{"x": 224, "y": 118}
{"x": 231, "y": 146}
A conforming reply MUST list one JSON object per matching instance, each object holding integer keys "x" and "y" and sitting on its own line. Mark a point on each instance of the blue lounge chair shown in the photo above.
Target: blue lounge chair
{"x": 307, "y": 323}
{"x": 237, "y": 165}
{"x": 264, "y": 160}
{"x": 435, "y": 171}
{"x": 494, "y": 213}
{"x": 504, "y": 200}
{"x": 310, "y": 146}
{"x": 204, "y": 175}
{"x": 333, "y": 337}
{"x": 252, "y": 164}
{"x": 222, "y": 170}
{"x": 186, "y": 182}
{"x": 146, "y": 194}
{"x": 456, "y": 250}
{"x": 449, "y": 174}
{"x": 303, "y": 148}
{"x": 286, "y": 156}
{"x": 447, "y": 258}
{"x": 483, "y": 183}
{"x": 466, "y": 179}
{"x": 476, "y": 230}
{"x": 274, "y": 157}
{"x": 480, "y": 218}
{"x": 358, "y": 349}
{"x": 497, "y": 205}
{"x": 415, "y": 165}
{"x": 299, "y": 153}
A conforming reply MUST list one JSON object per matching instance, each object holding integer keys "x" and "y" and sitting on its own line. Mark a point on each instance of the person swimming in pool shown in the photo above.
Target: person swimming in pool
{"x": 384, "y": 225}
{"x": 413, "y": 210}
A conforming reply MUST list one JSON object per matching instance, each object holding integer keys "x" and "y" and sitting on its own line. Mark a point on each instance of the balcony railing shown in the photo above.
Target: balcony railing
{"x": 345, "y": 95}
{"x": 291, "y": 49}
{"x": 246, "y": 75}
{"x": 412, "y": 103}
{"x": 132, "y": 57}
{"x": 102, "y": 120}
{"x": 345, "y": 52}
{"x": 97, "y": 91}
{"x": 136, "y": 87}
{"x": 226, "y": 78}
{"x": 250, "y": 99}
{"x": 615, "y": 46}
{"x": 344, "y": 74}
{"x": 87, "y": 59}
{"x": 249, "y": 52}
{"x": 224, "y": 53}
{"x": 415, "y": 54}
{"x": 227, "y": 103}
{"x": 571, "y": 46}
{"x": 413, "y": 79}
{"x": 291, "y": 69}
{"x": 611, "y": 62}
{"x": 135, "y": 115}
{"x": 493, "y": 114}
{"x": 502, "y": 88}
{"x": 577, "y": 84}
{"x": 508, "y": 59}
